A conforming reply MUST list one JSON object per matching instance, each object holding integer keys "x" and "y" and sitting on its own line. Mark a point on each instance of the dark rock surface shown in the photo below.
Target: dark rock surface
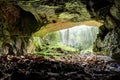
{"x": 108, "y": 41}
{"x": 16, "y": 26}
{"x": 31, "y": 68}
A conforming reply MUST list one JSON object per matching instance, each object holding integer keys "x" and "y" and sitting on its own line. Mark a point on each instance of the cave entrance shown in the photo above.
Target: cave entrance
{"x": 78, "y": 38}
{"x": 72, "y": 36}
{"x": 65, "y": 37}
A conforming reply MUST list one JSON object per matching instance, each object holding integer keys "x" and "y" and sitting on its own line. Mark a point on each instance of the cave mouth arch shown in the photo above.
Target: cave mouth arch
{"x": 83, "y": 10}
{"x": 81, "y": 37}
{"x": 59, "y": 26}
{"x": 26, "y": 21}
{"x": 64, "y": 25}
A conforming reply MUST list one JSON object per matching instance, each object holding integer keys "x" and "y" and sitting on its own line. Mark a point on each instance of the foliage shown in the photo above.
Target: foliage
{"x": 52, "y": 37}
{"x": 49, "y": 46}
{"x": 64, "y": 47}
{"x": 55, "y": 49}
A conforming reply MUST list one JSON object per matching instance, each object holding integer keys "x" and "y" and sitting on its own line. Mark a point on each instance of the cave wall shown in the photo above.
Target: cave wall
{"x": 106, "y": 11}
{"x": 16, "y": 26}
{"x": 108, "y": 39}
{"x": 20, "y": 19}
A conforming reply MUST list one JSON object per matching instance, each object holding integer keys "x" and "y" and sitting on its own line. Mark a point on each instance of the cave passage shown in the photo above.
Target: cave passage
{"x": 38, "y": 40}
{"x": 61, "y": 55}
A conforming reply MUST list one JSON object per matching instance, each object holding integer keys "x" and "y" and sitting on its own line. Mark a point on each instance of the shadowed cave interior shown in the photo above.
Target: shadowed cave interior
{"x": 60, "y": 40}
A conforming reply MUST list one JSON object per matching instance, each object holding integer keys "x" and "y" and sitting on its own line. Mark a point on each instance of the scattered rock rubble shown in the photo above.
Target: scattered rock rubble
{"x": 31, "y": 67}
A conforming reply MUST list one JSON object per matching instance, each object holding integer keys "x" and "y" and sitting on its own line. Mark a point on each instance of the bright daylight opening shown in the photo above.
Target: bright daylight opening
{"x": 69, "y": 44}
{"x": 78, "y": 38}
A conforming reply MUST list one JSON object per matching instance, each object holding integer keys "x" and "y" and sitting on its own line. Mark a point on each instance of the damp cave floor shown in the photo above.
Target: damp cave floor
{"x": 82, "y": 67}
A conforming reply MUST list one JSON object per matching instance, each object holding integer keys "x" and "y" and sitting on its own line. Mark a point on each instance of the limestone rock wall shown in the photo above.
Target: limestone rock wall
{"x": 108, "y": 39}
{"x": 16, "y": 27}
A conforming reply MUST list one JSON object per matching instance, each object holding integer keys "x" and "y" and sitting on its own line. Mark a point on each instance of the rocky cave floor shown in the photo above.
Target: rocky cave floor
{"x": 82, "y": 67}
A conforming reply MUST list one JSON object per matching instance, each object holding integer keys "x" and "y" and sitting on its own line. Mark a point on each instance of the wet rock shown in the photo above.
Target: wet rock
{"x": 1, "y": 74}
{"x": 115, "y": 12}
{"x": 104, "y": 58}
{"x": 17, "y": 75}
{"x": 35, "y": 76}
{"x": 113, "y": 67}
{"x": 107, "y": 41}
{"x": 53, "y": 74}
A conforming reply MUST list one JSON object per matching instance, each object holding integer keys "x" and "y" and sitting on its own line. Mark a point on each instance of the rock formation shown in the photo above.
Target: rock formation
{"x": 16, "y": 26}
{"x": 107, "y": 41}
{"x": 19, "y": 19}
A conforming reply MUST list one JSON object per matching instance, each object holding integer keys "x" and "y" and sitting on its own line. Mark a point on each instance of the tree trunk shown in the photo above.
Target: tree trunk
{"x": 67, "y": 37}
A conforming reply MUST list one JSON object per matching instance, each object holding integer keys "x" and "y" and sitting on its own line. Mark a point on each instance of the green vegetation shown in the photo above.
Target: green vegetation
{"x": 63, "y": 47}
{"x": 55, "y": 50}
{"x": 74, "y": 40}
{"x": 52, "y": 37}
{"x": 50, "y": 45}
